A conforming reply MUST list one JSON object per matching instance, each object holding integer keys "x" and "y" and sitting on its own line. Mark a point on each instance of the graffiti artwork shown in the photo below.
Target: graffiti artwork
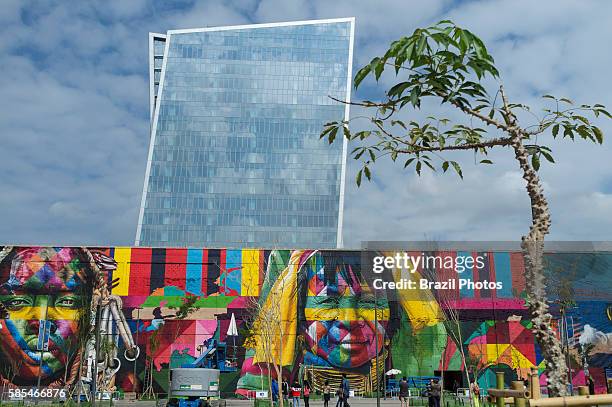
{"x": 60, "y": 288}
{"x": 332, "y": 320}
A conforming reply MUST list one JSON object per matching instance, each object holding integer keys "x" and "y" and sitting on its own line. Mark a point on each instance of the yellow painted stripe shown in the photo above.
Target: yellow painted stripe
{"x": 345, "y": 314}
{"x": 122, "y": 257}
{"x": 37, "y": 312}
{"x": 249, "y": 285}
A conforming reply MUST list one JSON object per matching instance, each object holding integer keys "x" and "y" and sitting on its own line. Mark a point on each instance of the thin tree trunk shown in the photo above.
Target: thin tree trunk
{"x": 533, "y": 253}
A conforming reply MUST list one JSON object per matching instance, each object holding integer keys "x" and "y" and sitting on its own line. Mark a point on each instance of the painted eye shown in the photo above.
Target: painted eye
{"x": 17, "y": 303}
{"x": 66, "y": 302}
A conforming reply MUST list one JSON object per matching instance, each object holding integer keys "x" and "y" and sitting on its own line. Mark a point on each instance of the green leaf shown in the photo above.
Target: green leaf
{"x": 427, "y": 163}
{"x": 535, "y": 162}
{"x": 547, "y": 155}
{"x": 398, "y": 89}
{"x": 445, "y": 166}
{"x": 549, "y": 97}
{"x": 421, "y": 45}
{"x": 372, "y": 157}
{"x": 362, "y": 135}
{"x": 486, "y": 162}
{"x": 605, "y": 112}
{"x": 457, "y": 168}
{"x": 409, "y": 161}
{"x": 361, "y": 74}
{"x": 555, "y": 130}
{"x": 414, "y": 96}
{"x": 598, "y": 134}
{"x": 367, "y": 173}
{"x": 566, "y": 100}
{"x": 358, "y": 179}
{"x": 332, "y": 134}
{"x": 378, "y": 65}
{"x": 398, "y": 122}
{"x": 418, "y": 167}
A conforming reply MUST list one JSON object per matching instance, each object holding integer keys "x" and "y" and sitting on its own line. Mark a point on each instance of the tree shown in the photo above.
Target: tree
{"x": 149, "y": 393}
{"x": 270, "y": 328}
{"x": 267, "y": 334}
{"x": 186, "y": 307}
{"x": 452, "y": 320}
{"x": 449, "y": 64}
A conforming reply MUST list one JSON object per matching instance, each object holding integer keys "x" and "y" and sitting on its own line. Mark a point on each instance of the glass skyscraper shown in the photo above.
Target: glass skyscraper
{"x": 235, "y": 157}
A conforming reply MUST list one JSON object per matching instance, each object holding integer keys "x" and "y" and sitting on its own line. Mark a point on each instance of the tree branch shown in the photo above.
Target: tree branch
{"x": 501, "y": 142}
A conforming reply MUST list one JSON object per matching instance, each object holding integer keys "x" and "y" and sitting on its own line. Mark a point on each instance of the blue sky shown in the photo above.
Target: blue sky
{"x": 74, "y": 122}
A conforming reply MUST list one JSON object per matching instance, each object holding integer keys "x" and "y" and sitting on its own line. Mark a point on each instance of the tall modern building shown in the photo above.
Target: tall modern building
{"x": 235, "y": 157}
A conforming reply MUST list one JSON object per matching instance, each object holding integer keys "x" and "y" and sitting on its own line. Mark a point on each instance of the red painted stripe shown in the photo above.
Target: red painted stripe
{"x": 140, "y": 272}
{"x": 176, "y": 268}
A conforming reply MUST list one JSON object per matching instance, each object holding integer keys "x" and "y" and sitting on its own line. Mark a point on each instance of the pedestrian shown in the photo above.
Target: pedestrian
{"x": 591, "y": 385}
{"x": 475, "y": 391}
{"x": 274, "y": 391}
{"x": 436, "y": 392}
{"x": 346, "y": 390}
{"x": 306, "y": 392}
{"x": 428, "y": 393}
{"x": 403, "y": 392}
{"x": 340, "y": 402}
{"x": 326, "y": 394}
{"x": 285, "y": 389}
{"x": 296, "y": 392}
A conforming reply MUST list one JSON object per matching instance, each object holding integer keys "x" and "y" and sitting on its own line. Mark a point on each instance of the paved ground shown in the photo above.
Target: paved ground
{"x": 354, "y": 402}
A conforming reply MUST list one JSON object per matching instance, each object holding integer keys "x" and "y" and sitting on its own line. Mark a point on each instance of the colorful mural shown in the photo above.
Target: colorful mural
{"x": 334, "y": 322}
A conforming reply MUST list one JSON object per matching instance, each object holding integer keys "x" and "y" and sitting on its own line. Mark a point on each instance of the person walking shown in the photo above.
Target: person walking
{"x": 340, "y": 402}
{"x": 306, "y": 393}
{"x": 296, "y": 393}
{"x": 475, "y": 391}
{"x": 346, "y": 390}
{"x": 403, "y": 392}
{"x": 285, "y": 391}
{"x": 428, "y": 393}
{"x": 274, "y": 391}
{"x": 326, "y": 394}
{"x": 436, "y": 392}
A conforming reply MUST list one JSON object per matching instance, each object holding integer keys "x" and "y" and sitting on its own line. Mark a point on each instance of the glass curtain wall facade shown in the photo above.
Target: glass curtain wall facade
{"x": 235, "y": 157}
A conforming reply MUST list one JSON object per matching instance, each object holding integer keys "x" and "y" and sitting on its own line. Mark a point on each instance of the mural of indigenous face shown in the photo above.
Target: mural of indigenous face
{"x": 339, "y": 313}
{"x": 41, "y": 283}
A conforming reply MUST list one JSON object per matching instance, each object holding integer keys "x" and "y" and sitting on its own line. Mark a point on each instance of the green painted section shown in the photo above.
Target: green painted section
{"x": 417, "y": 353}
{"x": 220, "y": 301}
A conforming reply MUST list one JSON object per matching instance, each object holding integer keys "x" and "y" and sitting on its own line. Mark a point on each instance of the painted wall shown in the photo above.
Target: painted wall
{"x": 328, "y": 313}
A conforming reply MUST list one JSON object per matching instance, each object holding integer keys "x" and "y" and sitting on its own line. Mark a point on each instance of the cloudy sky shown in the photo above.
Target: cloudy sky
{"x": 74, "y": 119}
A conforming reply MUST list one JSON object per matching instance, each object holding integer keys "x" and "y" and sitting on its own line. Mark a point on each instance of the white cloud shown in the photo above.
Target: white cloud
{"x": 74, "y": 125}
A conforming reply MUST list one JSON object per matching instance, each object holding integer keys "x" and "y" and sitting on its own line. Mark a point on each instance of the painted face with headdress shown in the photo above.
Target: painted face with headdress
{"x": 41, "y": 283}
{"x": 340, "y": 314}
